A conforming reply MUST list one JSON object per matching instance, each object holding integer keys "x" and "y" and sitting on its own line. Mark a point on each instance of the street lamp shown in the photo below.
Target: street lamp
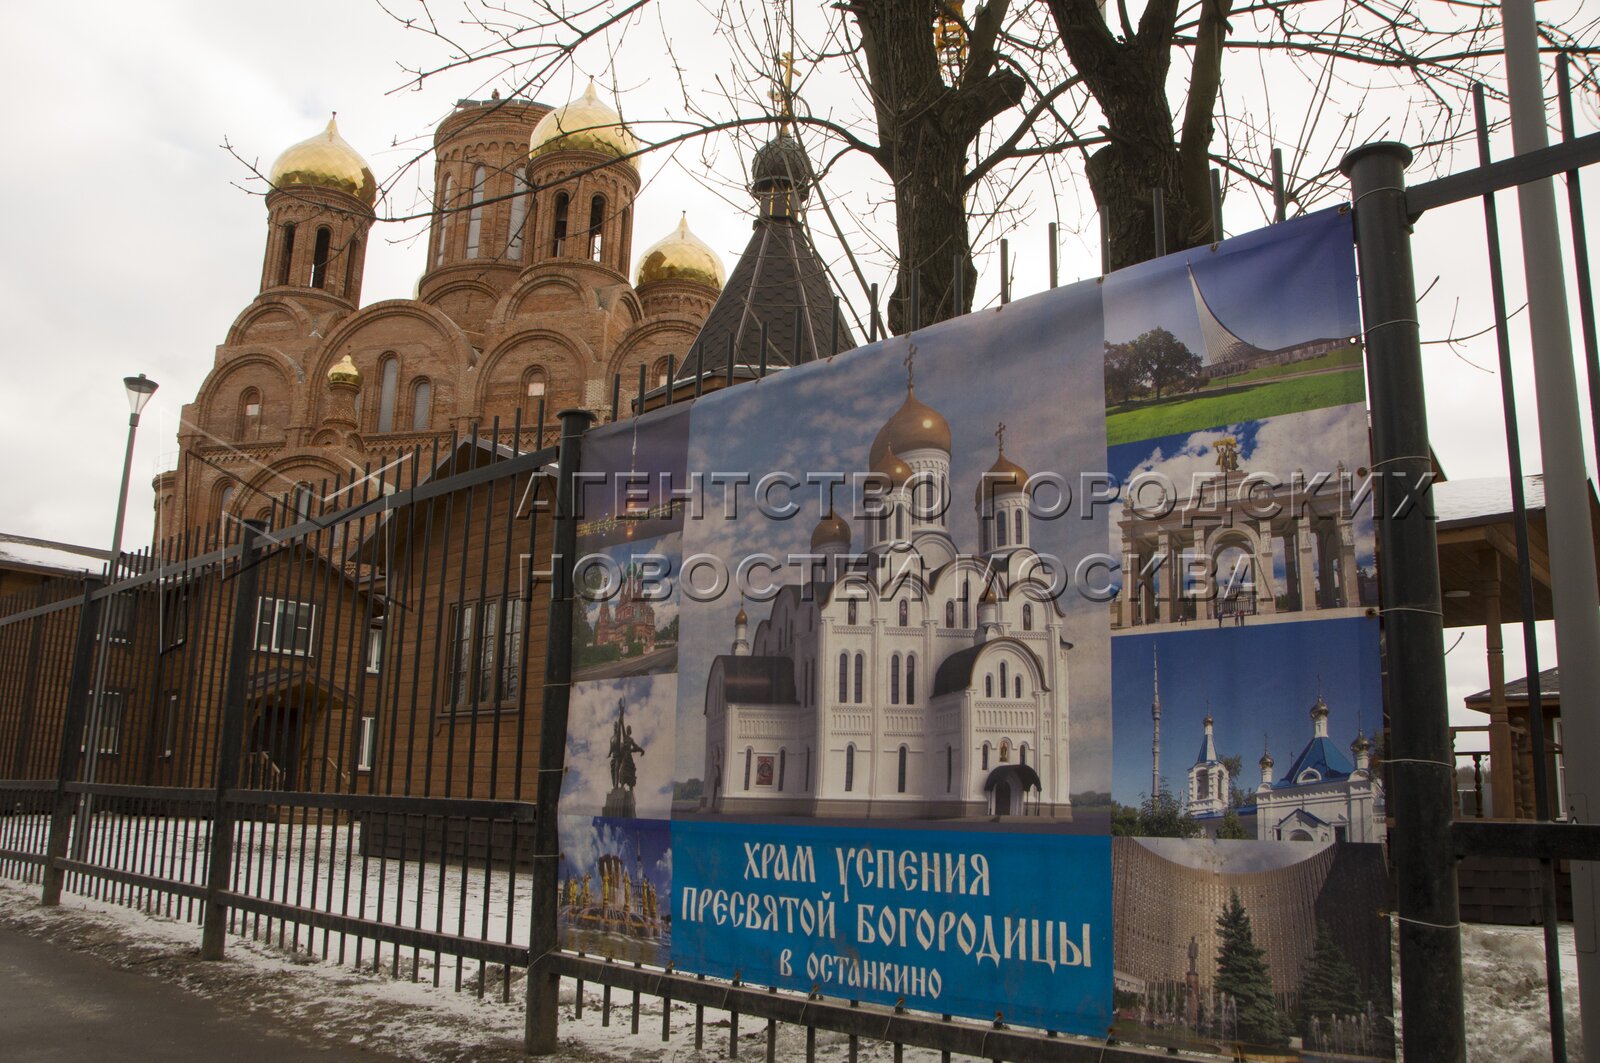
{"x": 139, "y": 389}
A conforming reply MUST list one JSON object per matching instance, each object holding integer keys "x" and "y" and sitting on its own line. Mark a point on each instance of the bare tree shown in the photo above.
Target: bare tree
{"x": 974, "y": 119}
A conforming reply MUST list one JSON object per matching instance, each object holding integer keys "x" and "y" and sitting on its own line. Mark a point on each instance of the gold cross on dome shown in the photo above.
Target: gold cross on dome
{"x": 1000, "y": 436}
{"x": 782, "y": 94}
{"x": 910, "y": 359}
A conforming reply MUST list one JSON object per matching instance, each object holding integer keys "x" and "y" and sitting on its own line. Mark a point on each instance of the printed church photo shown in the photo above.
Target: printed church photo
{"x": 868, "y": 696}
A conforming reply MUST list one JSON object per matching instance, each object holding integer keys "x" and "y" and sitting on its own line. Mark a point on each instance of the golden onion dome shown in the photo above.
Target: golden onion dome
{"x": 830, "y": 530}
{"x": 890, "y": 465}
{"x": 344, "y": 372}
{"x": 681, "y": 256}
{"x": 914, "y": 426}
{"x": 326, "y": 161}
{"x": 743, "y": 617}
{"x": 585, "y": 124}
{"x": 1005, "y": 477}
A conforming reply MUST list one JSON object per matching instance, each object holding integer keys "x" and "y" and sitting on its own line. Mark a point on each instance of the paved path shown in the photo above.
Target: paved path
{"x": 59, "y": 1004}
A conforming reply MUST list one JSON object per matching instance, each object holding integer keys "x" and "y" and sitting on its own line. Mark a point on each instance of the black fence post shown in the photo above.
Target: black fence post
{"x": 72, "y": 722}
{"x": 230, "y": 743}
{"x": 544, "y": 984}
{"x": 29, "y": 704}
{"x": 1421, "y": 766}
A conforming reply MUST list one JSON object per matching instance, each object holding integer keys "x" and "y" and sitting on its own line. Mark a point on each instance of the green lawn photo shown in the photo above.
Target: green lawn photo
{"x": 1248, "y": 401}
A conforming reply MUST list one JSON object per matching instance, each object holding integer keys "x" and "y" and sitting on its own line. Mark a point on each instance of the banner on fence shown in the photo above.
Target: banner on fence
{"x": 891, "y": 670}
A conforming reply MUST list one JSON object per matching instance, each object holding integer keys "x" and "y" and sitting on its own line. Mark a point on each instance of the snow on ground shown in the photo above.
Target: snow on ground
{"x": 299, "y": 975}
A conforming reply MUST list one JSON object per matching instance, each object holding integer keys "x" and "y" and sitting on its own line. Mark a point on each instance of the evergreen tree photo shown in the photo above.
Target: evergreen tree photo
{"x": 1242, "y": 973}
{"x": 1330, "y": 985}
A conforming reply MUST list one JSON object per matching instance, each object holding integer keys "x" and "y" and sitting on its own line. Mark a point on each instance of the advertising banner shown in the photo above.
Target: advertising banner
{"x": 1025, "y": 665}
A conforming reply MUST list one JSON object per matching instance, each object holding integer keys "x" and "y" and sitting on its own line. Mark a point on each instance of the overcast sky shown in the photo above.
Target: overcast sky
{"x": 129, "y": 249}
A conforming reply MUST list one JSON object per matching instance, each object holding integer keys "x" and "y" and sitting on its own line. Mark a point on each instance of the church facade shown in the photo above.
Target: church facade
{"x": 526, "y": 304}
{"x": 872, "y": 696}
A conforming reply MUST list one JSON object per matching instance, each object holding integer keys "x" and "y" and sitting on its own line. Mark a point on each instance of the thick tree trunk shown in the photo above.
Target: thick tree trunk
{"x": 931, "y": 227}
{"x": 1123, "y": 177}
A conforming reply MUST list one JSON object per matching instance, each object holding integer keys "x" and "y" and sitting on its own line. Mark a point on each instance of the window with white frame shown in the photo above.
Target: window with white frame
{"x": 169, "y": 727}
{"x": 119, "y": 617}
{"x": 485, "y": 654}
{"x": 366, "y": 751}
{"x": 284, "y": 626}
{"x": 109, "y": 710}
{"x": 374, "y": 650}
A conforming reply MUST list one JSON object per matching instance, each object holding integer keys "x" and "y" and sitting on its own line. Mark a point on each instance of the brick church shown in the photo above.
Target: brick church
{"x": 527, "y": 301}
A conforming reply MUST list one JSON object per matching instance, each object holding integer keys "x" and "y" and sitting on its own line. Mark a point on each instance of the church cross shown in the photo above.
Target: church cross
{"x": 910, "y": 359}
{"x": 1000, "y": 436}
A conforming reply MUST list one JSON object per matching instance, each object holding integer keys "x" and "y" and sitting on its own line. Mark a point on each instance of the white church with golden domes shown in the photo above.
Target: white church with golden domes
{"x": 527, "y": 301}
{"x": 913, "y": 691}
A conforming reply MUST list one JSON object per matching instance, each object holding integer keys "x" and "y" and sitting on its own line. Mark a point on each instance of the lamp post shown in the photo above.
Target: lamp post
{"x": 139, "y": 389}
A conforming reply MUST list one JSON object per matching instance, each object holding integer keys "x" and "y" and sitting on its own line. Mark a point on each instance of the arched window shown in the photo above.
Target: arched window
{"x": 249, "y": 414}
{"x": 352, "y": 261}
{"x": 1005, "y": 751}
{"x": 1002, "y": 679}
{"x": 519, "y": 216}
{"x": 421, "y": 405}
{"x": 1018, "y": 517}
{"x": 899, "y": 522}
{"x": 894, "y": 680}
{"x": 597, "y": 217}
{"x": 1017, "y": 683}
{"x": 844, "y": 677}
{"x": 861, "y": 666}
{"x": 749, "y": 756}
{"x": 443, "y": 218}
{"x": 783, "y": 760}
{"x": 287, "y": 261}
{"x": 658, "y": 372}
{"x": 986, "y": 756}
{"x": 389, "y": 384}
{"x": 558, "y": 236}
{"x": 225, "y": 497}
{"x": 905, "y": 613}
{"x": 901, "y": 775}
{"x": 950, "y": 613}
{"x": 1022, "y": 754}
{"x": 475, "y": 215}
{"x": 1000, "y": 528}
{"x": 911, "y": 679}
{"x": 850, "y": 613}
{"x": 303, "y": 502}
{"x": 966, "y": 605}
{"x": 988, "y": 686}
{"x": 1027, "y": 616}
{"x": 849, "y": 767}
{"x": 319, "y": 257}
{"x": 535, "y": 384}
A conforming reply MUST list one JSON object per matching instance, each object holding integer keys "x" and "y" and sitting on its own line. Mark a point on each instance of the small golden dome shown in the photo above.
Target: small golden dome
{"x": 914, "y": 426}
{"x": 344, "y": 372}
{"x": 585, "y": 124}
{"x": 681, "y": 256}
{"x": 326, "y": 161}
{"x": 890, "y": 465}
{"x": 830, "y": 529}
{"x": 1005, "y": 477}
{"x": 743, "y": 617}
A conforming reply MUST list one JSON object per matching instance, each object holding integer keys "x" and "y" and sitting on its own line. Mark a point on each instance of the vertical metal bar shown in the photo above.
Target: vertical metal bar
{"x": 73, "y": 718}
{"x": 1280, "y": 198}
{"x": 699, "y": 370}
{"x": 958, "y": 286}
{"x": 1105, "y": 245}
{"x": 833, "y": 330}
{"x": 672, "y": 376}
{"x": 873, "y": 324}
{"x": 1530, "y": 641}
{"x": 28, "y": 704}
{"x": 1567, "y": 518}
{"x": 644, "y": 382}
{"x": 544, "y": 985}
{"x": 1158, "y": 215}
{"x": 1216, "y": 205}
{"x": 1005, "y": 271}
{"x": 764, "y": 340}
{"x": 1420, "y": 762}
{"x": 616, "y": 393}
{"x": 1054, "y": 256}
{"x": 1580, "y": 252}
{"x": 916, "y": 300}
{"x": 241, "y": 640}
{"x": 800, "y": 331}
